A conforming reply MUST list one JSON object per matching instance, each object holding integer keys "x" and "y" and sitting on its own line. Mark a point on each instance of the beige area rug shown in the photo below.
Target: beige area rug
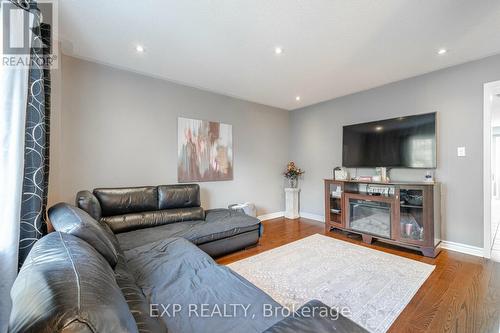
{"x": 374, "y": 286}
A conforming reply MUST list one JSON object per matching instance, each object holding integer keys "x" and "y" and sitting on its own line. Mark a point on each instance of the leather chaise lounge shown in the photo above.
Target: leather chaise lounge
{"x": 141, "y": 215}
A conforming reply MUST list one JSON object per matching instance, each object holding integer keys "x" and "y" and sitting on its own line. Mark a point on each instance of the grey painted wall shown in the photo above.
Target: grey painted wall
{"x": 120, "y": 129}
{"x": 117, "y": 128}
{"x": 455, "y": 93}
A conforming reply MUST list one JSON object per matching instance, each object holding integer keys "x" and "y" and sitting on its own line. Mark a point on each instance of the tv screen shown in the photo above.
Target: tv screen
{"x": 404, "y": 142}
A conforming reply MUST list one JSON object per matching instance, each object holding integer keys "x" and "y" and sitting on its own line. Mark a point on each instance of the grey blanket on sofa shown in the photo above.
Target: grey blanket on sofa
{"x": 193, "y": 294}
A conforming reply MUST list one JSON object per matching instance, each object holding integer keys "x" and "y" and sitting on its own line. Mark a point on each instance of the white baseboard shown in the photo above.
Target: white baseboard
{"x": 319, "y": 218}
{"x": 315, "y": 217}
{"x": 463, "y": 248}
{"x": 270, "y": 216}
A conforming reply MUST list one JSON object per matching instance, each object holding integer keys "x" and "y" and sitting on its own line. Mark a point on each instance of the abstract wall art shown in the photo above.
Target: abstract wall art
{"x": 205, "y": 151}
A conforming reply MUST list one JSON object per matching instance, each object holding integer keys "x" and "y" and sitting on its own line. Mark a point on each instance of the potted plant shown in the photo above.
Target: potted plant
{"x": 292, "y": 173}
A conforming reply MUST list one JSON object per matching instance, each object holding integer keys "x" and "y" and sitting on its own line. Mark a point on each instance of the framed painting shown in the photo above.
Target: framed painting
{"x": 204, "y": 151}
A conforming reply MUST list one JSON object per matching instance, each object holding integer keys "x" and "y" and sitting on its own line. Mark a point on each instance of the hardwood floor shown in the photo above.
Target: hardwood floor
{"x": 461, "y": 295}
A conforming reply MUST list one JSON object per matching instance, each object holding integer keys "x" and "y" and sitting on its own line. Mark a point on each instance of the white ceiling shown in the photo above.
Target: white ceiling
{"x": 331, "y": 47}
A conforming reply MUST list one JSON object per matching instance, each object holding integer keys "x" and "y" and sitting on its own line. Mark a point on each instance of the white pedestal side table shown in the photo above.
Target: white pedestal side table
{"x": 292, "y": 203}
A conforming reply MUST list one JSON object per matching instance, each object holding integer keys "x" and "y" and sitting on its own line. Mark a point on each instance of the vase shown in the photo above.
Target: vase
{"x": 293, "y": 182}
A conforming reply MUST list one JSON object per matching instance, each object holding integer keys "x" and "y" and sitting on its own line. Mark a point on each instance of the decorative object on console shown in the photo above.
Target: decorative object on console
{"x": 340, "y": 173}
{"x": 429, "y": 177}
{"x": 376, "y": 189}
{"x": 292, "y": 173}
{"x": 382, "y": 174}
{"x": 205, "y": 151}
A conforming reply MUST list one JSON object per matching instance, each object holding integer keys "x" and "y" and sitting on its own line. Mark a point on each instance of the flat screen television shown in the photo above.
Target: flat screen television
{"x": 404, "y": 142}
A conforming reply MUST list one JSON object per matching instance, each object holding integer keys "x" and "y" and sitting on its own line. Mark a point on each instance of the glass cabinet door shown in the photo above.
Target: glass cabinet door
{"x": 412, "y": 215}
{"x": 335, "y": 200}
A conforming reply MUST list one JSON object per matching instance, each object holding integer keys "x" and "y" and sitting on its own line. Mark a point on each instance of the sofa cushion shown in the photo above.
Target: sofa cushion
{"x": 134, "y": 221}
{"x": 183, "y": 274}
{"x": 218, "y": 224}
{"x": 117, "y": 201}
{"x": 137, "y": 302}
{"x": 178, "y": 196}
{"x": 65, "y": 285}
{"x": 72, "y": 220}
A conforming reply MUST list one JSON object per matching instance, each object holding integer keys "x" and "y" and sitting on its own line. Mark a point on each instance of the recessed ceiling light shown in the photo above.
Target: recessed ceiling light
{"x": 278, "y": 50}
{"x": 378, "y": 128}
{"x": 297, "y": 98}
{"x": 442, "y": 51}
{"x": 139, "y": 48}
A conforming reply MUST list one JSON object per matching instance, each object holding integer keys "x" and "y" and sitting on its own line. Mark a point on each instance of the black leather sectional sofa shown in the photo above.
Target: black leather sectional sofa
{"x": 85, "y": 278}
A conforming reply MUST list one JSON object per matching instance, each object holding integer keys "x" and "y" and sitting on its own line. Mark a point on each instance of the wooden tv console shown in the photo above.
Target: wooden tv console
{"x": 407, "y": 214}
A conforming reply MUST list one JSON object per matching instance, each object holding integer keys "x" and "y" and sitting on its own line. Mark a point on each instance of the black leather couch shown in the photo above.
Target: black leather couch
{"x": 79, "y": 279}
{"x": 141, "y": 215}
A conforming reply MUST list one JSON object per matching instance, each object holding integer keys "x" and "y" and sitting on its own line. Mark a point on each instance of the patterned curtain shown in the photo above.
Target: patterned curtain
{"x": 36, "y": 152}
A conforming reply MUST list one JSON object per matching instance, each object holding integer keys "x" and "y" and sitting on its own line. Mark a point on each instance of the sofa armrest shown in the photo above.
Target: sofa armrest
{"x": 87, "y": 201}
{"x": 315, "y": 317}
